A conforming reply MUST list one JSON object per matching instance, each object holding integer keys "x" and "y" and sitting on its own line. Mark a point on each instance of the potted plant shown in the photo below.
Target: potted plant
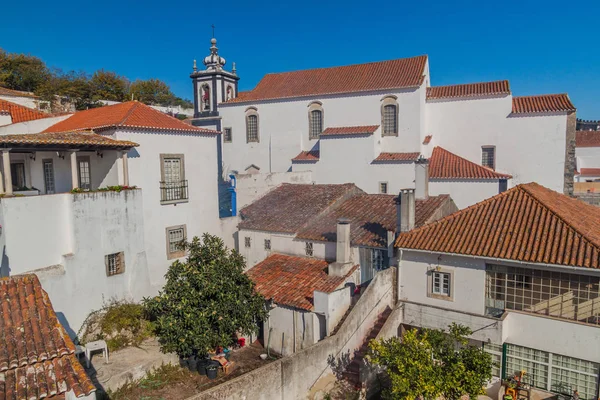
{"x": 211, "y": 369}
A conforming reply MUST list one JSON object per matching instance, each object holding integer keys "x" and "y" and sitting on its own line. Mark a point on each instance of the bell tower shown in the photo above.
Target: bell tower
{"x": 212, "y": 85}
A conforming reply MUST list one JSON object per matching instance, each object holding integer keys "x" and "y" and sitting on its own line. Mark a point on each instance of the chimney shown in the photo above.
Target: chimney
{"x": 407, "y": 210}
{"x": 399, "y": 213}
{"x": 422, "y": 178}
{"x": 342, "y": 263}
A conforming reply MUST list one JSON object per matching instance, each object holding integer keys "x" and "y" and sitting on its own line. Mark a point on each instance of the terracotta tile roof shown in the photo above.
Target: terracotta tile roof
{"x": 371, "y": 216}
{"x": 312, "y": 155}
{"x": 383, "y": 157}
{"x": 21, "y": 113}
{"x": 589, "y": 172}
{"x": 427, "y": 139}
{"x": 446, "y": 165}
{"x": 37, "y": 357}
{"x": 65, "y": 139}
{"x": 288, "y": 207}
{"x": 383, "y": 75}
{"x": 527, "y": 223}
{"x": 542, "y": 103}
{"x": 131, "y": 114}
{"x": 16, "y": 93}
{"x": 349, "y": 130}
{"x": 587, "y": 138}
{"x": 291, "y": 281}
{"x": 468, "y": 90}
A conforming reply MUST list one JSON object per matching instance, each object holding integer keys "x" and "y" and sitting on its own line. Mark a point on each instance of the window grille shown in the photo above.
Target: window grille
{"x": 267, "y": 244}
{"x": 176, "y": 236}
{"x": 309, "y": 249}
{"x": 227, "y": 137}
{"x": 383, "y": 187}
{"x": 252, "y": 128}
{"x": 316, "y": 124}
{"x": 390, "y": 119}
{"x": 441, "y": 283}
{"x": 488, "y": 157}
{"x": 49, "y": 176}
{"x": 114, "y": 264}
{"x": 173, "y": 186}
{"x": 247, "y": 242}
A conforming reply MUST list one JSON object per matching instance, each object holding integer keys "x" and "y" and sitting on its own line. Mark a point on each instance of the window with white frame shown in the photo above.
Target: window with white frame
{"x": 173, "y": 185}
{"x": 440, "y": 283}
{"x": 268, "y": 244}
{"x": 227, "y": 136}
{"x": 488, "y": 156}
{"x": 252, "y": 125}
{"x": 115, "y": 264}
{"x": 84, "y": 171}
{"x": 48, "y": 166}
{"x": 176, "y": 235}
{"x": 495, "y": 350}
{"x": 383, "y": 187}
{"x": 247, "y": 242}
{"x": 308, "y": 248}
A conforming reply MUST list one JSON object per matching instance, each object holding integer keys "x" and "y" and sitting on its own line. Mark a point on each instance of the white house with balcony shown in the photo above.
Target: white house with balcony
{"x": 368, "y": 123}
{"x": 522, "y": 270}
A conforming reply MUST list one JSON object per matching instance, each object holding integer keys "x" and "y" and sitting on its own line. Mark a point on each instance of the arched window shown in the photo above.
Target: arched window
{"x": 315, "y": 120}
{"x": 252, "y": 125}
{"x": 389, "y": 116}
{"x": 229, "y": 93}
{"x": 206, "y": 97}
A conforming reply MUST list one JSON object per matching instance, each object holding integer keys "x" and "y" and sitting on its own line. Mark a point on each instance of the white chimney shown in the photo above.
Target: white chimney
{"x": 407, "y": 210}
{"x": 422, "y": 178}
{"x": 342, "y": 263}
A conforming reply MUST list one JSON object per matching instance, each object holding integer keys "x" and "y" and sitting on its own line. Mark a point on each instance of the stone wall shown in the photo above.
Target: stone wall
{"x": 570, "y": 159}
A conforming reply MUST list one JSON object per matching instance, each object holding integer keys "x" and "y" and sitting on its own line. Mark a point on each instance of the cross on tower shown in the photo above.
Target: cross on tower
{"x": 213, "y": 29}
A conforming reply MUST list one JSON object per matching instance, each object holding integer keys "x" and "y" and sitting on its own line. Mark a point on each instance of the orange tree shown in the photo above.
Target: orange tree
{"x": 206, "y": 301}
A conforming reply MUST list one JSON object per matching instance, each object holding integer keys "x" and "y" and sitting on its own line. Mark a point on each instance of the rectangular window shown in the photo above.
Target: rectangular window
{"x": 252, "y": 128}
{"x": 371, "y": 262}
{"x": 495, "y": 350}
{"x": 440, "y": 283}
{"x": 308, "y": 248}
{"x": 84, "y": 171}
{"x": 558, "y": 294}
{"x": 17, "y": 173}
{"x": 247, "y": 242}
{"x": 173, "y": 186}
{"x": 383, "y": 187}
{"x": 390, "y": 120}
{"x": 48, "y": 166}
{"x": 488, "y": 157}
{"x": 267, "y": 244}
{"x": 316, "y": 124}
{"x": 227, "y": 137}
{"x": 175, "y": 236}
{"x": 115, "y": 264}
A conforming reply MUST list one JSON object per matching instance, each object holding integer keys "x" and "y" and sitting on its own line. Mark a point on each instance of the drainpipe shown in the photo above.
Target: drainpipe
{"x": 294, "y": 325}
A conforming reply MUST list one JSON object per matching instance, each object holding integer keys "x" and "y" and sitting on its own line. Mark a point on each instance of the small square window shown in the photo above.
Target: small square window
{"x": 441, "y": 284}
{"x": 175, "y": 236}
{"x": 309, "y": 249}
{"x": 383, "y": 187}
{"x": 247, "y": 242}
{"x": 227, "y": 136}
{"x": 267, "y": 244}
{"x": 115, "y": 264}
{"x": 488, "y": 156}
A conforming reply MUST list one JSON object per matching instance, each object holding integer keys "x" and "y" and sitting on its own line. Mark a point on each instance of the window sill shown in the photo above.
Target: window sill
{"x": 389, "y": 135}
{"x": 439, "y": 297}
{"x": 167, "y": 202}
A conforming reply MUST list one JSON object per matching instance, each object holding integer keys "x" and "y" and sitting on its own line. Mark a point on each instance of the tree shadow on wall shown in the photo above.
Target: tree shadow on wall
{"x": 340, "y": 364}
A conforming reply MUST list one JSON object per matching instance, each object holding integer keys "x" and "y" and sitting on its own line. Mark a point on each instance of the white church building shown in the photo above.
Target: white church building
{"x": 369, "y": 123}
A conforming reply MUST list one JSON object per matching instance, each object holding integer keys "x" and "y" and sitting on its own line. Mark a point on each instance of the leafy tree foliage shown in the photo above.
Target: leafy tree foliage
{"x": 21, "y": 71}
{"x": 106, "y": 85}
{"x": 152, "y": 91}
{"x": 432, "y": 363}
{"x": 206, "y": 300}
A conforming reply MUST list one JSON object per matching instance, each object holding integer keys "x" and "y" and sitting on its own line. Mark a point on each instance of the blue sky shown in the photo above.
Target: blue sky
{"x": 540, "y": 46}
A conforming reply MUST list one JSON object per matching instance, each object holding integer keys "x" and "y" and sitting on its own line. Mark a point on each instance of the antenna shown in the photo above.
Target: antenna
{"x": 213, "y": 29}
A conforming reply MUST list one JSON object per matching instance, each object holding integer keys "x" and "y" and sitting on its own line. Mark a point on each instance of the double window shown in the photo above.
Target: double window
{"x": 308, "y": 249}
{"x": 17, "y": 172}
{"x": 315, "y": 119}
{"x": 173, "y": 186}
{"x": 84, "y": 171}
{"x": 389, "y": 116}
{"x": 440, "y": 283}
{"x": 252, "y": 133}
{"x": 176, "y": 235}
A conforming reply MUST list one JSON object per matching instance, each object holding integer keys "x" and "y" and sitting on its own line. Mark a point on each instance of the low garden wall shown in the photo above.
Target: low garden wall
{"x": 292, "y": 377}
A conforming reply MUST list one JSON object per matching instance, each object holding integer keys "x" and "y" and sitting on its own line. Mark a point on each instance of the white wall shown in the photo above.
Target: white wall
{"x": 464, "y": 193}
{"x": 200, "y": 214}
{"x": 280, "y": 326}
{"x": 333, "y": 305}
{"x": 30, "y": 102}
{"x": 35, "y": 126}
{"x": 71, "y": 243}
{"x": 250, "y": 187}
{"x": 530, "y": 148}
{"x": 283, "y": 127}
{"x": 587, "y": 157}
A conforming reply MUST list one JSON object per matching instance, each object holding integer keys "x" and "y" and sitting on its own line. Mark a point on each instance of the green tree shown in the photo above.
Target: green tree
{"x": 21, "y": 71}
{"x": 152, "y": 92}
{"x": 432, "y": 363}
{"x": 107, "y": 85}
{"x": 206, "y": 300}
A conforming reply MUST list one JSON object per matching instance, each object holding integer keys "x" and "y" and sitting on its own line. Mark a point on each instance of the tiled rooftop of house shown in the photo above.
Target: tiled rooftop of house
{"x": 80, "y": 139}
{"x": 587, "y": 138}
{"x": 21, "y": 113}
{"x": 468, "y": 90}
{"x": 131, "y": 114}
{"x": 383, "y": 75}
{"x": 307, "y": 156}
{"x": 542, "y": 103}
{"x": 528, "y": 223}
{"x": 288, "y": 207}
{"x": 589, "y": 171}
{"x": 37, "y": 357}
{"x": 349, "y": 130}
{"x": 291, "y": 280}
{"x": 16, "y": 93}
{"x": 371, "y": 217}
{"x": 446, "y": 165}
{"x": 395, "y": 157}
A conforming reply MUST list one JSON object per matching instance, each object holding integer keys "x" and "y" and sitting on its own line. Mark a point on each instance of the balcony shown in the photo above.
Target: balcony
{"x": 174, "y": 192}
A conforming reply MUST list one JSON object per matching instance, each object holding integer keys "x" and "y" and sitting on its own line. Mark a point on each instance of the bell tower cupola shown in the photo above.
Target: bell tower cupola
{"x": 212, "y": 85}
